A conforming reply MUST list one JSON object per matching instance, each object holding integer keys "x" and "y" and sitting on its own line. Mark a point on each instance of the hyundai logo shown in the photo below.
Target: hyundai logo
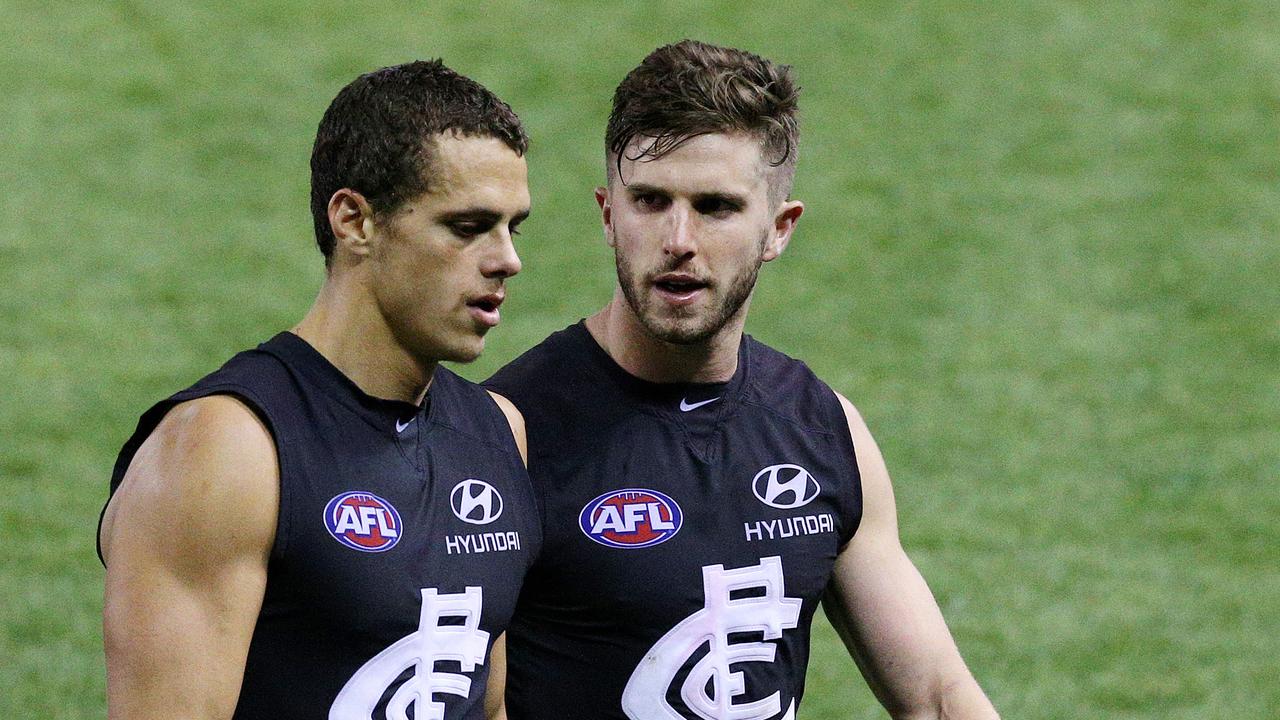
{"x": 476, "y": 502}
{"x": 785, "y": 486}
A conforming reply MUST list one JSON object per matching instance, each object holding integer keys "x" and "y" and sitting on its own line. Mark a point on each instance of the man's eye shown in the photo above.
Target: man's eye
{"x": 468, "y": 229}
{"x": 715, "y": 206}
{"x": 651, "y": 201}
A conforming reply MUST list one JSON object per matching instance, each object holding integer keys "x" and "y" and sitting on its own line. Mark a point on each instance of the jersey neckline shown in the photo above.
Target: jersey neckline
{"x": 385, "y": 414}
{"x": 667, "y": 397}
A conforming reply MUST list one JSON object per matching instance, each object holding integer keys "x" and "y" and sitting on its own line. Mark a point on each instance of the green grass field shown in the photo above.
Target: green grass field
{"x": 1042, "y": 254}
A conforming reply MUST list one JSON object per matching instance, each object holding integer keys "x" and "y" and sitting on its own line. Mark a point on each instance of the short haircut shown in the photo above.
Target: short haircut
{"x": 377, "y": 137}
{"x": 692, "y": 88}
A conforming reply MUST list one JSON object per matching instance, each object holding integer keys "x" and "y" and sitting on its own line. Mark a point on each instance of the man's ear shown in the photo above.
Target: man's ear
{"x": 784, "y": 223}
{"x": 351, "y": 220}
{"x": 606, "y": 214}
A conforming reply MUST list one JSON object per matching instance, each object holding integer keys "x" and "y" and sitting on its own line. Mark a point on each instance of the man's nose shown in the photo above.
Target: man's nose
{"x": 503, "y": 262}
{"x": 679, "y": 241}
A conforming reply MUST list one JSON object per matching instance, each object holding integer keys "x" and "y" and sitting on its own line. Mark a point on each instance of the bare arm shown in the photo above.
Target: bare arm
{"x": 886, "y": 615}
{"x": 186, "y": 539}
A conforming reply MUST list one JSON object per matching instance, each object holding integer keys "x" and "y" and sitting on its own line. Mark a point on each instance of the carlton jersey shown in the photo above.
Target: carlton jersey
{"x": 689, "y": 534}
{"x": 402, "y": 538}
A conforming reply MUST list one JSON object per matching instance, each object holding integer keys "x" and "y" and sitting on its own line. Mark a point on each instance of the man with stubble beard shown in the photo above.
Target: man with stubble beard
{"x": 702, "y": 493}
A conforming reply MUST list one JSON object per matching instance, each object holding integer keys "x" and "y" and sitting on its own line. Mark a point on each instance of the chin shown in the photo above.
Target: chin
{"x": 679, "y": 332}
{"x": 459, "y": 350}
{"x": 465, "y": 353}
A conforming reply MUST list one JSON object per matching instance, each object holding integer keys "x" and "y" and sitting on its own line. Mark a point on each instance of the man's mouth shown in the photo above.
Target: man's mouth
{"x": 485, "y": 308}
{"x": 679, "y": 288}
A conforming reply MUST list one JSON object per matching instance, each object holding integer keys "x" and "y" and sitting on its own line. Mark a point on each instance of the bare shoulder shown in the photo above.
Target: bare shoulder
{"x": 857, "y": 426}
{"x": 515, "y": 420}
{"x": 207, "y": 479}
{"x": 879, "y": 511}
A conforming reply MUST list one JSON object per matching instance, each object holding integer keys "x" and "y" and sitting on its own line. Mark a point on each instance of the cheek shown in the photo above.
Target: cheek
{"x": 738, "y": 244}
{"x": 632, "y": 227}
{"x": 627, "y": 244}
{"x": 420, "y": 280}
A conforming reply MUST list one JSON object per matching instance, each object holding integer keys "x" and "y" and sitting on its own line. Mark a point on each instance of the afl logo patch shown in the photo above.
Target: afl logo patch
{"x": 631, "y": 518}
{"x": 785, "y": 486}
{"x": 362, "y": 521}
{"x": 476, "y": 502}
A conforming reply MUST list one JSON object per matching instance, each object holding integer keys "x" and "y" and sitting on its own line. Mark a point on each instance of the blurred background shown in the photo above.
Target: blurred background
{"x": 1040, "y": 254}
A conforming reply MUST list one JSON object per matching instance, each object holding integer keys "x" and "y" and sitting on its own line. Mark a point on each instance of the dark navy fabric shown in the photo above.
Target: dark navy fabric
{"x": 331, "y": 607}
{"x": 712, "y": 621}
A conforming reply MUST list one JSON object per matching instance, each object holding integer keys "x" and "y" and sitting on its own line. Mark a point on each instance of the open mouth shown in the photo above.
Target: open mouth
{"x": 485, "y": 308}
{"x": 679, "y": 284}
{"x": 679, "y": 289}
{"x": 488, "y": 303}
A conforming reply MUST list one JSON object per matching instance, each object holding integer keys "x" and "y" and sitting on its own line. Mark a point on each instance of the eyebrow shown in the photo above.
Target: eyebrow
{"x": 641, "y": 188}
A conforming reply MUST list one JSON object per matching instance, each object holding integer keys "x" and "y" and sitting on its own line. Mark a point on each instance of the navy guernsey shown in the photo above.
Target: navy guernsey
{"x": 689, "y": 534}
{"x": 402, "y": 538}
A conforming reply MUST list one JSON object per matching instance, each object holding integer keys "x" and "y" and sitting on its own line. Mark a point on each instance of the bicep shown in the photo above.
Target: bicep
{"x": 186, "y": 539}
{"x": 878, "y": 601}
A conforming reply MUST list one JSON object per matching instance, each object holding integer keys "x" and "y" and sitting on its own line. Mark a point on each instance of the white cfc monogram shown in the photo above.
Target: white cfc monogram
{"x": 733, "y": 603}
{"x": 464, "y": 643}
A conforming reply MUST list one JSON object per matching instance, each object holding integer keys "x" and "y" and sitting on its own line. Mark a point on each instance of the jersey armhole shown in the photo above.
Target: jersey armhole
{"x": 851, "y": 498}
{"x": 513, "y": 453}
{"x": 504, "y": 424}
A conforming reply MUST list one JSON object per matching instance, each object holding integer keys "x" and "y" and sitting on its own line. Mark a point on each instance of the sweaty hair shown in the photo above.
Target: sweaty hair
{"x": 377, "y": 137}
{"x": 691, "y": 88}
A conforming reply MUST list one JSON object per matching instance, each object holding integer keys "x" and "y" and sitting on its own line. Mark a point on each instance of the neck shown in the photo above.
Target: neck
{"x": 617, "y": 329}
{"x": 344, "y": 326}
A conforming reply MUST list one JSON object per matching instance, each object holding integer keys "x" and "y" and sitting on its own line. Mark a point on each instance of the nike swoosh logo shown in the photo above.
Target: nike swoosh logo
{"x": 400, "y": 428}
{"x": 686, "y": 406}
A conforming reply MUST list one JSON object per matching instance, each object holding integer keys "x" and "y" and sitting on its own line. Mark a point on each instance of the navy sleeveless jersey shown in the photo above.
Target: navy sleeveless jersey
{"x": 402, "y": 539}
{"x": 689, "y": 534}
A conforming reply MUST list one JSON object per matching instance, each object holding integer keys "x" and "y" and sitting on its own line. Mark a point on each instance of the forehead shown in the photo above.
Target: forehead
{"x": 477, "y": 171}
{"x": 715, "y": 163}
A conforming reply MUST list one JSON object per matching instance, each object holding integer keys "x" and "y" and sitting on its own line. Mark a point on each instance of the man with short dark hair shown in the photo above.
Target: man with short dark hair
{"x": 332, "y": 525}
{"x": 701, "y": 492}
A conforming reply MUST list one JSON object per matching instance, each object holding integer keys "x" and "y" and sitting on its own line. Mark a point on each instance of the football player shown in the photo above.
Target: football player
{"x": 333, "y": 525}
{"x": 702, "y": 493}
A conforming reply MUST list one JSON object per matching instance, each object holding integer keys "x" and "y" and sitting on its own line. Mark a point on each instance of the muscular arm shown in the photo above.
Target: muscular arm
{"x": 887, "y": 616}
{"x": 186, "y": 539}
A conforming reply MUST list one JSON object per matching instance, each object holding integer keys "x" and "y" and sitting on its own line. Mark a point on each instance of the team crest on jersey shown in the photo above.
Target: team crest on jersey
{"x": 448, "y": 634}
{"x": 745, "y": 613}
{"x": 362, "y": 521}
{"x": 631, "y": 518}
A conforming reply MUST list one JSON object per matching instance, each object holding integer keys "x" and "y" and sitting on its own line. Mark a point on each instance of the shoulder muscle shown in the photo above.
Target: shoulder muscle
{"x": 879, "y": 512}
{"x": 207, "y": 479}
